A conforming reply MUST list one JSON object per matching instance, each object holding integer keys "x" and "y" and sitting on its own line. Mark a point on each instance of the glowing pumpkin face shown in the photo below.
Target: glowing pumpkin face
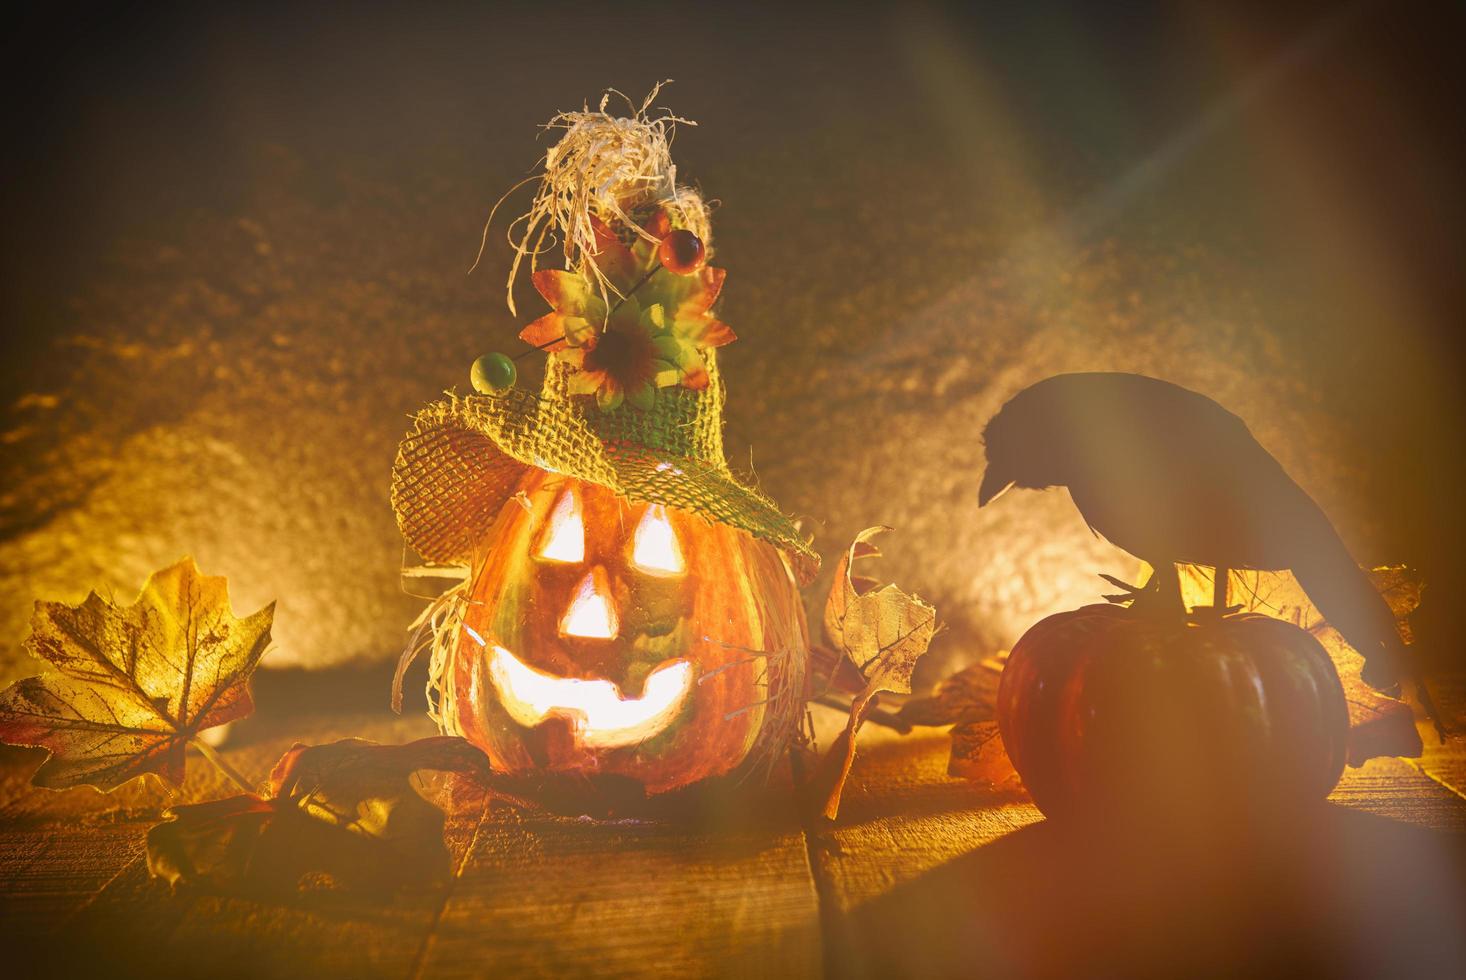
{"x": 631, "y": 638}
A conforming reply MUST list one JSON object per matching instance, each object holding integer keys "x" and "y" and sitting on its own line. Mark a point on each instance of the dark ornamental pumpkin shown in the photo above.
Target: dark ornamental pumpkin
{"x": 1108, "y": 712}
{"x": 603, "y": 636}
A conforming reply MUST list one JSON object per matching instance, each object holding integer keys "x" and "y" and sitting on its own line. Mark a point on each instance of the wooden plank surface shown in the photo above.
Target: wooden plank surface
{"x": 533, "y": 894}
{"x": 51, "y": 874}
{"x": 925, "y": 875}
{"x": 922, "y": 875}
{"x": 901, "y": 817}
{"x": 546, "y": 896}
{"x": 109, "y": 910}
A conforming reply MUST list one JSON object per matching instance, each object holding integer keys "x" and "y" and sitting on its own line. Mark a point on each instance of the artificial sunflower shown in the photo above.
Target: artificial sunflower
{"x": 650, "y": 336}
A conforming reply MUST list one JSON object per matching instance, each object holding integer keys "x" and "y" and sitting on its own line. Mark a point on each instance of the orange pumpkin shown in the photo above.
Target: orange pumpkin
{"x": 629, "y": 638}
{"x": 1104, "y": 711}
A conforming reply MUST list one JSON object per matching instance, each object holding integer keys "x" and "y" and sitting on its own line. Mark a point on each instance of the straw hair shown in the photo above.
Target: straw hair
{"x": 613, "y": 168}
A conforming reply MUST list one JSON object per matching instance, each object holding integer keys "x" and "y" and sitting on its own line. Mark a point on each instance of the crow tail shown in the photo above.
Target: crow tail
{"x": 1351, "y": 604}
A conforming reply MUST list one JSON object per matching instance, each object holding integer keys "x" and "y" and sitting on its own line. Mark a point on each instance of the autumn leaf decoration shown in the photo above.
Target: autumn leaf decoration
{"x": 134, "y": 685}
{"x": 966, "y": 701}
{"x": 650, "y": 333}
{"x": 884, "y": 632}
{"x": 133, "y": 688}
{"x": 342, "y": 816}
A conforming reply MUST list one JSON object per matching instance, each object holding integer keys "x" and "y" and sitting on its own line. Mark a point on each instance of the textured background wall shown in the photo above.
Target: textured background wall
{"x": 236, "y": 245}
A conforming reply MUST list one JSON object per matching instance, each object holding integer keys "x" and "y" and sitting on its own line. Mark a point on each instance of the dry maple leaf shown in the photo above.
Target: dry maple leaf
{"x": 970, "y": 695}
{"x": 1402, "y": 588}
{"x": 884, "y": 632}
{"x": 1379, "y": 725}
{"x": 345, "y": 813}
{"x": 978, "y": 754}
{"x": 134, "y": 684}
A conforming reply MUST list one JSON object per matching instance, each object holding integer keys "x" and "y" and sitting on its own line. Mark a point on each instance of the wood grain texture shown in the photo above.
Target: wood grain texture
{"x": 51, "y": 874}
{"x": 922, "y": 875}
{"x": 1401, "y": 790}
{"x": 534, "y": 895}
{"x": 903, "y": 815}
{"x": 927, "y": 876}
{"x": 1445, "y": 760}
{"x": 544, "y": 896}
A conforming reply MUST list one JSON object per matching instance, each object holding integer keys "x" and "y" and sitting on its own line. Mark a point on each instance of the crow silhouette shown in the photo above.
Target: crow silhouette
{"x": 1171, "y": 476}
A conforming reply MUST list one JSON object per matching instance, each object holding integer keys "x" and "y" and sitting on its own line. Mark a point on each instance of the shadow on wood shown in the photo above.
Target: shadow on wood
{"x": 1335, "y": 893}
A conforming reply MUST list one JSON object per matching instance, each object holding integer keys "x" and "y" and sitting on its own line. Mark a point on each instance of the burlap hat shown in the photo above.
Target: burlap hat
{"x": 465, "y": 457}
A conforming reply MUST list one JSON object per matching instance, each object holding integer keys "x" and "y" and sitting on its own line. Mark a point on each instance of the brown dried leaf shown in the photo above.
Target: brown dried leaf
{"x": 884, "y": 632}
{"x": 1279, "y": 595}
{"x": 970, "y": 695}
{"x": 346, "y": 812}
{"x": 133, "y": 684}
{"x": 1402, "y": 588}
{"x": 832, "y": 673}
{"x": 1378, "y": 725}
{"x": 978, "y": 755}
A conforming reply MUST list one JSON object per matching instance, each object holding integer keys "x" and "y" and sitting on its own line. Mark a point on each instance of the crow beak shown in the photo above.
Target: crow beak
{"x": 993, "y": 486}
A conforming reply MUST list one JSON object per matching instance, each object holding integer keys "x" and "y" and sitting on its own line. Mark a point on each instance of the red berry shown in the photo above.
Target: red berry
{"x": 682, "y": 252}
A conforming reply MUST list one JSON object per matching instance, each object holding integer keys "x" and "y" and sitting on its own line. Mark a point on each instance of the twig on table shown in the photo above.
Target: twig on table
{"x": 879, "y": 716}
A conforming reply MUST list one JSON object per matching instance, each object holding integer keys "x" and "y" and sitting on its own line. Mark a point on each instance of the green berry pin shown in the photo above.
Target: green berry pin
{"x": 493, "y": 374}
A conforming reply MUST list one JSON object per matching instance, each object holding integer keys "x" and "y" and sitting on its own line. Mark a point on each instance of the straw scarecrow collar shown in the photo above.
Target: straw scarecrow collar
{"x": 659, "y": 441}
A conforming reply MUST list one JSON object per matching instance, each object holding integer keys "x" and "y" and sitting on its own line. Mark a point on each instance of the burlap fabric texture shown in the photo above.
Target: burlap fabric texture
{"x": 465, "y": 457}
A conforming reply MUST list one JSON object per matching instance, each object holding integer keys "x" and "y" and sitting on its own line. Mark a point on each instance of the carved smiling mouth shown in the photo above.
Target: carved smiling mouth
{"x": 602, "y": 718}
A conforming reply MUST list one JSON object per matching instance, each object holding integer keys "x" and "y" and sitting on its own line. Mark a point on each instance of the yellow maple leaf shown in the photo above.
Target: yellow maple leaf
{"x": 133, "y": 685}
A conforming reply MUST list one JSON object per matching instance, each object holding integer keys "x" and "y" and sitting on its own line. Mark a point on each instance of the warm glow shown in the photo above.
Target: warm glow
{"x": 564, "y": 539}
{"x": 590, "y": 614}
{"x": 655, "y": 548}
{"x": 603, "y": 719}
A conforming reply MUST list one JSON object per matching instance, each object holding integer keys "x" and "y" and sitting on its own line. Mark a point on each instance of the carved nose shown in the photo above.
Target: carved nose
{"x": 590, "y": 614}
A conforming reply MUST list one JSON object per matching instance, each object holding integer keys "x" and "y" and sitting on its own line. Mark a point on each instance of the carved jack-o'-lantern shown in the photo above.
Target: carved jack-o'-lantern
{"x": 632, "y": 608}
{"x": 632, "y": 638}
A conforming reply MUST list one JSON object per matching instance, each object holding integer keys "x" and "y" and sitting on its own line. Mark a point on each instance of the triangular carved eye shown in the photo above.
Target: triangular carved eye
{"x": 654, "y": 548}
{"x": 590, "y": 615}
{"x": 564, "y": 536}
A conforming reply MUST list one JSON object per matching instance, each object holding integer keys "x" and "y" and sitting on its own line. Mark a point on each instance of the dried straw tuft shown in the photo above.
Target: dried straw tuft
{"x": 614, "y": 168}
{"x": 436, "y": 631}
